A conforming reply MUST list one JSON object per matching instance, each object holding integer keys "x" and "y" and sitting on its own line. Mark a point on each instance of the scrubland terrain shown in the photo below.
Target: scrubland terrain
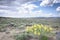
{"x": 12, "y": 26}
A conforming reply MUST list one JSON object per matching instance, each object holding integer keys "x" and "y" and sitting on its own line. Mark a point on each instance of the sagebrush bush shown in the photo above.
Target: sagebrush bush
{"x": 43, "y": 38}
{"x": 22, "y": 36}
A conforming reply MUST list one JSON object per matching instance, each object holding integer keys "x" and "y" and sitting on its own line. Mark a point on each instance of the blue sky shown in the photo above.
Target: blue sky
{"x": 29, "y": 8}
{"x": 47, "y": 9}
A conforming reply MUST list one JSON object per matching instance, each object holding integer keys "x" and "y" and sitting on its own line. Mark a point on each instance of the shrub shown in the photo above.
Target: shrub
{"x": 2, "y": 29}
{"x": 22, "y": 37}
{"x": 39, "y": 29}
{"x": 43, "y": 38}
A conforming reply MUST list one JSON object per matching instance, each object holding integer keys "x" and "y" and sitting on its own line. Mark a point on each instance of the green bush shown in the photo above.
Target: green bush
{"x": 43, "y": 38}
{"x": 22, "y": 37}
{"x": 2, "y": 29}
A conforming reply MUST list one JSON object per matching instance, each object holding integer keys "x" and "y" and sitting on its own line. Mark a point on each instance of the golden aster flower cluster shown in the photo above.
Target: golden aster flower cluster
{"x": 38, "y": 29}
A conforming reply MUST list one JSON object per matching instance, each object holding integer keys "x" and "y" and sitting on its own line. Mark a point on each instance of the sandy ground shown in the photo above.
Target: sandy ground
{"x": 4, "y": 36}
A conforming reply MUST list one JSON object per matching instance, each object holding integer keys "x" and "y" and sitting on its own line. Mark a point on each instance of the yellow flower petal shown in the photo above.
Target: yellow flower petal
{"x": 35, "y": 32}
{"x": 50, "y": 28}
{"x": 38, "y": 33}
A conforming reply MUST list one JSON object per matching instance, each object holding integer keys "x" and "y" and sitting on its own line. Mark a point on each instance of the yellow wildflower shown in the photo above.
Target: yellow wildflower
{"x": 45, "y": 28}
{"x": 38, "y": 33}
{"x": 35, "y": 32}
{"x": 27, "y": 28}
{"x": 37, "y": 29}
{"x": 38, "y": 26}
{"x": 34, "y": 26}
{"x": 41, "y": 25}
{"x": 50, "y": 28}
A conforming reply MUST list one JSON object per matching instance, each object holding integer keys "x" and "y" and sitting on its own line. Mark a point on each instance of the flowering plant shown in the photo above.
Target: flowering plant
{"x": 39, "y": 29}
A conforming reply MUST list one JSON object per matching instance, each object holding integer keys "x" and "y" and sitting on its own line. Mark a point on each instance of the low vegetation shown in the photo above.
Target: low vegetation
{"x": 38, "y": 30}
{"x": 29, "y": 28}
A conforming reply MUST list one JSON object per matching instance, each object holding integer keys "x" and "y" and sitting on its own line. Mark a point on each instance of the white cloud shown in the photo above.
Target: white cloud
{"x": 58, "y": 9}
{"x": 49, "y": 2}
{"x": 29, "y": 6}
{"x": 2, "y": 6}
{"x": 56, "y": 1}
{"x": 46, "y": 2}
{"x": 15, "y": 2}
{"x": 42, "y": 14}
{"x": 24, "y": 10}
{"x": 36, "y": 13}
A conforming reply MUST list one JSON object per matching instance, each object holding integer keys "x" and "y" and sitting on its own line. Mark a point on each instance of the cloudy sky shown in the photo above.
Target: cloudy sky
{"x": 29, "y": 8}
